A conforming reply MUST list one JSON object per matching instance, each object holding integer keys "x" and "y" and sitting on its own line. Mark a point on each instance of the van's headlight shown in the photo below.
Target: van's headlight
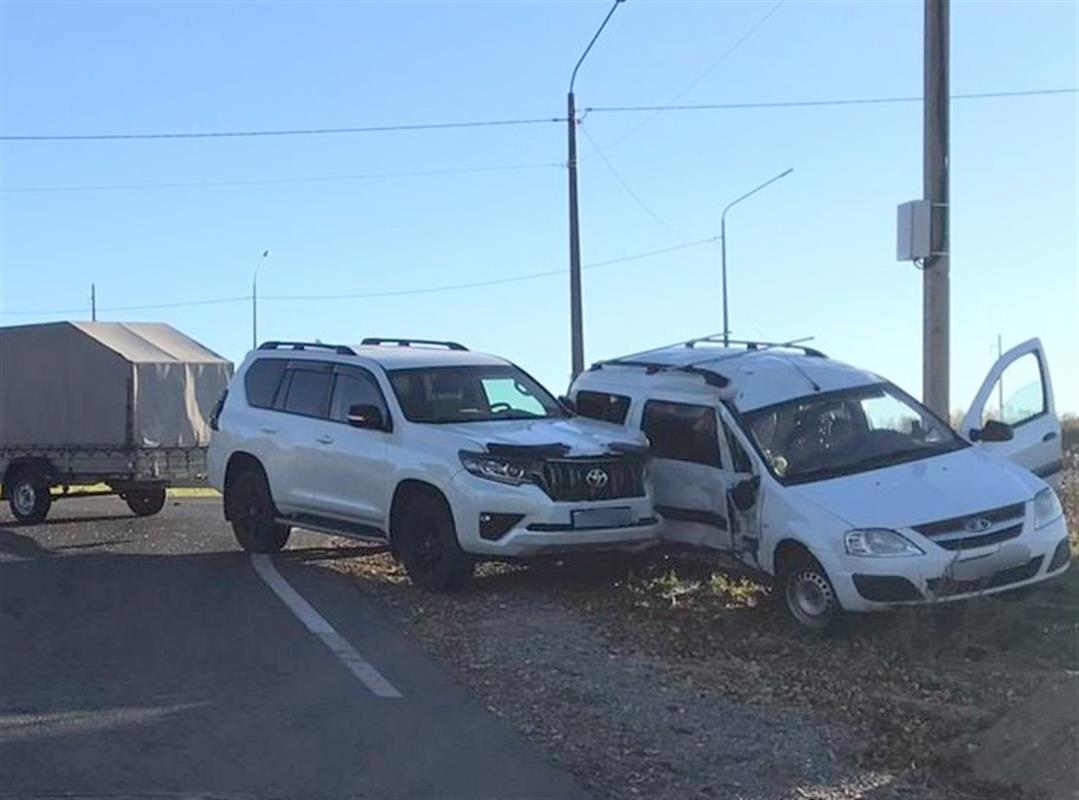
{"x": 880, "y": 542}
{"x": 503, "y": 470}
{"x": 1047, "y": 508}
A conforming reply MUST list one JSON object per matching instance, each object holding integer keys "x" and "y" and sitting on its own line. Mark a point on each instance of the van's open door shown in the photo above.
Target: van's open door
{"x": 1018, "y": 392}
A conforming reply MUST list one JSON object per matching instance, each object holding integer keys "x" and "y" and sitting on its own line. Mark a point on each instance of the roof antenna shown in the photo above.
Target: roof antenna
{"x": 804, "y": 374}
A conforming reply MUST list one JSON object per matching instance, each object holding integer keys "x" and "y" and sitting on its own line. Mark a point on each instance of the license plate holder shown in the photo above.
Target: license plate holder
{"x": 616, "y": 517}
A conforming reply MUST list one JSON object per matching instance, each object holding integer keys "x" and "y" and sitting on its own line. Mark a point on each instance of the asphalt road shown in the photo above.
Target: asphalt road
{"x": 148, "y": 657}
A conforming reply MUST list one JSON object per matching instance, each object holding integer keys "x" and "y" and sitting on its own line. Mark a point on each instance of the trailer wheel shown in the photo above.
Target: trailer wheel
{"x": 253, "y": 514}
{"x": 146, "y": 501}
{"x": 29, "y": 498}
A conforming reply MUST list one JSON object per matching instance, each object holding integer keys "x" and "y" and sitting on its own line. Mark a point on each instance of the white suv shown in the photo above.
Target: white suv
{"x": 846, "y": 489}
{"x": 448, "y": 455}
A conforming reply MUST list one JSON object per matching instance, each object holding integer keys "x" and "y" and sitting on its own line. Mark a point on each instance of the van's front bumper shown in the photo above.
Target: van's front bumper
{"x": 537, "y": 525}
{"x": 939, "y": 576}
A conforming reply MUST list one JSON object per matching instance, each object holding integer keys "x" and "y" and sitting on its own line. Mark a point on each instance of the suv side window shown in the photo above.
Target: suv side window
{"x": 354, "y": 387}
{"x": 603, "y": 406}
{"x": 307, "y": 391}
{"x": 682, "y": 432}
{"x": 261, "y": 381}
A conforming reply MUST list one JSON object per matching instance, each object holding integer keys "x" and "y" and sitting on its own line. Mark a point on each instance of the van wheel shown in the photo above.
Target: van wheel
{"x": 29, "y": 498}
{"x": 808, "y": 593}
{"x": 147, "y": 501}
{"x": 428, "y": 546}
{"x": 252, "y": 514}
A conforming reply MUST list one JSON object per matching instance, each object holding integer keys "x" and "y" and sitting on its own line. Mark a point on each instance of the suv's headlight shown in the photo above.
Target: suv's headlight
{"x": 880, "y": 542}
{"x": 503, "y": 470}
{"x": 1047, "y": 508}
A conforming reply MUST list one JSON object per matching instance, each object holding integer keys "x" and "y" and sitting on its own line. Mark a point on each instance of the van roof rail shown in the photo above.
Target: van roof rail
{"x": 381, "y": 340}
{"x": 340, "y": 349}
{"x": 749, "y": 344}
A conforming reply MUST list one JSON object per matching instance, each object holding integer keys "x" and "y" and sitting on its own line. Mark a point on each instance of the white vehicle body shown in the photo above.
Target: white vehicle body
{"x": 572, "y": 483}
{"x": 940, "y": 519}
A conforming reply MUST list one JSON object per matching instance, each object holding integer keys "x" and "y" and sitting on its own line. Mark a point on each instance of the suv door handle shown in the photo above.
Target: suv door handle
{"x": 268, "y": 430}
{"x": 1049, "y": 436}
{"x": 324, "y": 439}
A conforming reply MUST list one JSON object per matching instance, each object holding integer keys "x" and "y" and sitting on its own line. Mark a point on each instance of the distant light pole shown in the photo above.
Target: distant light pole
{"x": 723, "y": 244}
{"x": 255, "y": 300}
{"x": 576, "y": 323}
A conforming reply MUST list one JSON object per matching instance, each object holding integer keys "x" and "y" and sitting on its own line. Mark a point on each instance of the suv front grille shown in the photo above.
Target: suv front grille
{"x": 976, "y": 530}
{"x": 573, "y": 480}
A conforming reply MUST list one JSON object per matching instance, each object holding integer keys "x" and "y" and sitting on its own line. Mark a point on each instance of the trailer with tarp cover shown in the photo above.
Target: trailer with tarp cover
{"x": 125, "y": 407}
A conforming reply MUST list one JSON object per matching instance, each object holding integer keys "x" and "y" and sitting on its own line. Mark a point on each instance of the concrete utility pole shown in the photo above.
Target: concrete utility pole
{"x": 576, "y": 323}
{"x": 93, "y": 303}
{"x": 935, "y": 300}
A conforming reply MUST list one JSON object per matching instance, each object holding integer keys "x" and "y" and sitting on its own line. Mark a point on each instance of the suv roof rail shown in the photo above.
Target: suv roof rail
{"x": 380, "y": 340}
{"x": 340, "y": 349}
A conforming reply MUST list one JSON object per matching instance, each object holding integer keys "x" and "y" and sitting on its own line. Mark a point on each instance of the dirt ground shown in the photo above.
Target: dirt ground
{"x": 680, "y": 678}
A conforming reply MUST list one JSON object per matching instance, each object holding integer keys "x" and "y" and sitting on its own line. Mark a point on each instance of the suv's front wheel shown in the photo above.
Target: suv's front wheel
{"x": 427, "y": 544}
{"x": 251, "y": 511}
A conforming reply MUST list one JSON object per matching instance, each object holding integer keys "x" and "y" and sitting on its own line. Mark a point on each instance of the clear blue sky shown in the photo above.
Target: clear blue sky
{"x": 812, "y": 255}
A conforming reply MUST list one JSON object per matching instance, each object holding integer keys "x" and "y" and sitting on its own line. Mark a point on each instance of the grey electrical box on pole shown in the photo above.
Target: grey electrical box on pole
{"x": 913, "y": 231}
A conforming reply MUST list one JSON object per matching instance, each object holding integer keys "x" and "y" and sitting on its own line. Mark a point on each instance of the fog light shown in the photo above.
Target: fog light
{"x": 494, "y": 526}
{"x": 1061, "y": 556}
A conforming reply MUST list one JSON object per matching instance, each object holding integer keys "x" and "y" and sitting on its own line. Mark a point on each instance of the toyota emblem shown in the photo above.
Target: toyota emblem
{"x": 977, "y": 525}
{"x": 597, "y": 478}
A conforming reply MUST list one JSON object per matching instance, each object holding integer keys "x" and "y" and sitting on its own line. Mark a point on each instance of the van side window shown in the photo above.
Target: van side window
{"x": 600, "y": 405}
{"x": 354, "y": 388}
{"x": 682, "y": 432}
{"x": 261, "y": 381}
{"x": 308, "y": 392}
{"x": 1018, "y": 396}
{"x": 739, "y": 456}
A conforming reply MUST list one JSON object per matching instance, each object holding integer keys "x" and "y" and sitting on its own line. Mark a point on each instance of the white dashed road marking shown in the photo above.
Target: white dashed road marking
{"x": 317, "y": 624}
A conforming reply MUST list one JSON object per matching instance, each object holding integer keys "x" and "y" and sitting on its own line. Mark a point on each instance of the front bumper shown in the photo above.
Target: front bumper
{"x": 939, "y": 576}
{"x": 545, "y": 526}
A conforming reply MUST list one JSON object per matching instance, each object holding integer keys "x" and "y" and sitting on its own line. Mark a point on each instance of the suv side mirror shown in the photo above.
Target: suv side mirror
{"x": 744, "y": 493}
{"x": 567, "y": 403}
{"x": 993, "y": 431}
{"x": 366, "y": 416}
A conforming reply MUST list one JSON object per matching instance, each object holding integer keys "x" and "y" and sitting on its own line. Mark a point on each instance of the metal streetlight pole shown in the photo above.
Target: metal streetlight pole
{"x": 723, "y": 244}
{"x": 255, "y": 300}
{"x": 576, "y": 323}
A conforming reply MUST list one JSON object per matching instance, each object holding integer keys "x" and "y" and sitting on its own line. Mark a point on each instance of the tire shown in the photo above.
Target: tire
{"x": 29, "y": 498}
{"x": 253, "y": 513}
{"x": 428, "y": 546}
{"x": 808, "y": 593}
{"x": 147, "y": 501}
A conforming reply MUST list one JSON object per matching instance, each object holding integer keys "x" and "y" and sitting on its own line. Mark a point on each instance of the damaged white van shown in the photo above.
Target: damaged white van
{"x": 850, "y": 492}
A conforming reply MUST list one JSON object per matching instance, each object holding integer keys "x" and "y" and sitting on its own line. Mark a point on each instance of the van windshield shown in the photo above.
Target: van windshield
{"x": 471, "y": 394}
{"x": 838, "y": 433}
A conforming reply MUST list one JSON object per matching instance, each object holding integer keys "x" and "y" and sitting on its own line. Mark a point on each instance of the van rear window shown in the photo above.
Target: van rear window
{"x": 600, "y": 405}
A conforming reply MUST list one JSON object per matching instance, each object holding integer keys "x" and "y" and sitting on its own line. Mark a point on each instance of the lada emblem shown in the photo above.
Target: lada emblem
{"x": 977, "y": 525}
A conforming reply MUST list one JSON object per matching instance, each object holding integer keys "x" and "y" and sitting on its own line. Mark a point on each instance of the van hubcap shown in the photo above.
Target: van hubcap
{"x": 25, "y": 498}
{"x": 810, "y": 595}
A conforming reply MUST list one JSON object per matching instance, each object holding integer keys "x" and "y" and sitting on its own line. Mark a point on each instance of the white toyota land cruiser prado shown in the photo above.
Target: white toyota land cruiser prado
{"x": 850, "y": 492}
{"x": 449, "y": 455}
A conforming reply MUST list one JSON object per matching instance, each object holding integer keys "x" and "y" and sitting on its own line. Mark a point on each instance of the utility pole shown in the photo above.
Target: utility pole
{"x": 935, "y": 300}
{"x": 93, "y": 303}
{"x": 576, "y": 323}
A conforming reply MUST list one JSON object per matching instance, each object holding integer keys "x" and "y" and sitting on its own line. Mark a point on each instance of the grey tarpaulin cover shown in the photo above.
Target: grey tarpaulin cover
{"x": 116, "y": 384}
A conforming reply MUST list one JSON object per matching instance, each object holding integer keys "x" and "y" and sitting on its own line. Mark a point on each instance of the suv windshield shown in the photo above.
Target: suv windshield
{"x": 852, "y": 430}
{"x": 471, "y": 394}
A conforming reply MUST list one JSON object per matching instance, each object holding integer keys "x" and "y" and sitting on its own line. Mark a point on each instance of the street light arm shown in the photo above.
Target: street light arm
{"x": 751, "y": 192}
{"x": 606, "y": 19}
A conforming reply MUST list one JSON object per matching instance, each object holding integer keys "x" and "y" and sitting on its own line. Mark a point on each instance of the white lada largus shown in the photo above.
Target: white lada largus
{"x": 851, "y": 493}
{"x": 448, "y": 455}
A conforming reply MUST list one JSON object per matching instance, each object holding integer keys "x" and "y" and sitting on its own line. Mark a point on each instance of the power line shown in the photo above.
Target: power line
{"x": 825, "y": 102}
{"x": 277, "y": 181}
{"x": 425, "y": 126}
{"x": 372, "y": 295}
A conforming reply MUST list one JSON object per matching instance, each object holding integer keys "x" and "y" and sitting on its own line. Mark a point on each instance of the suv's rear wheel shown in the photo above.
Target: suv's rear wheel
{"x": 252, "y": 514}
{"x": 808, "y": 592}
{"x": 145, "y": 501}
{"x": 427, "y": 544}
{"x": 29, "y": 498}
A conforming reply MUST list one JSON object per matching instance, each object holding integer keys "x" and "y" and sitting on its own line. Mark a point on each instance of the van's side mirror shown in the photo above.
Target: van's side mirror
{"x": 744, "y": 493}
{"x": 567, "y": 403}
{"x": 366, "y": 416}
{"x": 993, "y": 431}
